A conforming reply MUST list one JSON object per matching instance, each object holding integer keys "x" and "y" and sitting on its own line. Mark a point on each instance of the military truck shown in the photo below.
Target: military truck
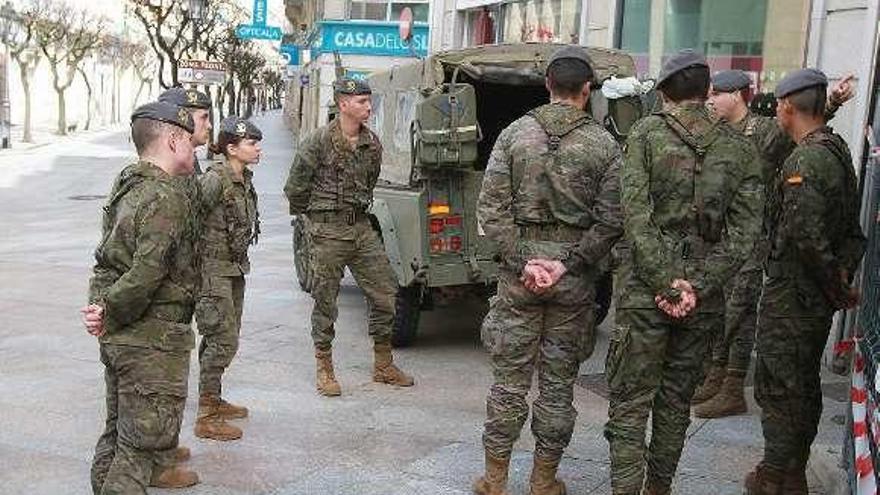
{"x": 438, "y": 119}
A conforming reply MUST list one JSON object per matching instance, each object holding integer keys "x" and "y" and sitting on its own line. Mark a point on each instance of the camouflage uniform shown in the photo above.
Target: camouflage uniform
{"x": 815, "y": 244}
{"x": 551, "y": 190}
{"x": 231, "y": 224}
{"x": 145, "y": 278}
{"x": 332, "y": 184}
{"x": 733, "y": 347}
{"x": 692, "y": 197}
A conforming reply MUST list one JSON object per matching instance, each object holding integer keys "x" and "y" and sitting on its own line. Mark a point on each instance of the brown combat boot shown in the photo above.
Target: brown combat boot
{"x": 543, "y": 479}
{"x": 794, "y": 482}
{"x": 384, "y": 370}
{"x": 729, "y": 401}
{"x": 710, "y": 386}
{"x": 182, "y": 454}
{"x": 227, "y": 410}
{"x": 211, "y": 425}
{"x": 494, "y": 482}
{"x": 173, "y": 477}
{"x": 764, "y": 480}
{"x": 326, "y": 379}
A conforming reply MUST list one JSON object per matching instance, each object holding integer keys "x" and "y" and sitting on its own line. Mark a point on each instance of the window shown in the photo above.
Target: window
{"x": 541, "y": 20}
{"x": 481, "y": 26}
{"x": 381, "y": 10}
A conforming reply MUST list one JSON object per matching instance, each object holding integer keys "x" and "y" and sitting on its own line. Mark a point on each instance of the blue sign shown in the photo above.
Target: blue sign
{"x": 292, "y": 54}
{"x": 250, "y": 32}
{"x": 371, "y": 38}
{"x": 259, "y": 12}
{"x": 359, "y": 75}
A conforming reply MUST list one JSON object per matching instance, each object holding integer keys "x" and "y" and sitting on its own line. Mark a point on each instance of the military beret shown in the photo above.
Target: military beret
{"x": 349, "y": 86}
{"x": 680, "y": 61}
{"x": 799, "y": 80}
{"x": 570, "y": 52}
{"x": 728, "y": 81}
{"x": 240, "y": 127}
{"x": 187, "y": 98}
{"x": 168, "y": 113}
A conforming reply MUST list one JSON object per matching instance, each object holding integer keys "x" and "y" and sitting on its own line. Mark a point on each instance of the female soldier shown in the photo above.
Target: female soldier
{"x": 230, "y": 225}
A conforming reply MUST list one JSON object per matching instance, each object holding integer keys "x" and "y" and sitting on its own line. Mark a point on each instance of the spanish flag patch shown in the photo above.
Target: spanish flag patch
{"x": 795, "y": 180}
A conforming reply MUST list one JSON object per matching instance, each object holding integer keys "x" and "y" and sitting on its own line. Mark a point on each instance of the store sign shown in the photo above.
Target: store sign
{"x": 291, "y": 52}
{"x": 372, "y": 38}
{"x": 359, "y": 75}
{"x": 201, "y": 72}
{"x": 258, "y": 30}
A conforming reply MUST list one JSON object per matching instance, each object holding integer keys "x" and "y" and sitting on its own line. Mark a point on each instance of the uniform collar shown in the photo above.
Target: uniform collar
{"x": 339, "y": 139}
{"x": 225, "y": 168}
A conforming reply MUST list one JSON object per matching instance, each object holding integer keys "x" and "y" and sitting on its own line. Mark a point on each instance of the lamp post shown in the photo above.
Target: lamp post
{"x": 10, "y": 31}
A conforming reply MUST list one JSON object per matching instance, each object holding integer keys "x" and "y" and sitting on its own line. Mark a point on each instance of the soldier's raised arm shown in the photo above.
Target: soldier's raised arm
{"x": 494, "y": 212}
{"x": 158, "y": 224}
{"x": 607, "y": 220}
{"x": 742, "y": 224}
{"x": 653, "y": 255}
{"x": 302, "y": 172}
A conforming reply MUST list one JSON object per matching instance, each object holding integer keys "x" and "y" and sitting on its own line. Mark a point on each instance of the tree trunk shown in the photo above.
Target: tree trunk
{"x": 139, "y": 90}
{"x": 230, "y": 92}
{"x": 26, "y": 87}
{"x": 88, "y": 101}
{"x": 62, "y": 113}
{"x": 113, "y": 110}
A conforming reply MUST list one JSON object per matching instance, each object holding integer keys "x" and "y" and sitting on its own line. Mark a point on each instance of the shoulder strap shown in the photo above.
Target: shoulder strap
{"x": 555, "y": 130}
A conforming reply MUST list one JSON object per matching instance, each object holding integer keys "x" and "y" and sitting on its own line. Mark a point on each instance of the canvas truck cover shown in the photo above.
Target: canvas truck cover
{"x": 398, "y": 91}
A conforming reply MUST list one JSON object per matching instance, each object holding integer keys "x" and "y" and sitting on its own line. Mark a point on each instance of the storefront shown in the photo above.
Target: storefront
{"x": 763, "y": 37}
{"x": 557, "y": 21}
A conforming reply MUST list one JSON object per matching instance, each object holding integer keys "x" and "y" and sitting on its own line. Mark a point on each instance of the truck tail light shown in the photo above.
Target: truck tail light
{"x": 435, "y": 226}
{"x": 455, "y": 243}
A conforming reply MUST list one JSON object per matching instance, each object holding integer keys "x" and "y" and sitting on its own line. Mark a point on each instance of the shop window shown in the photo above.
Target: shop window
{"x": 635, "y": 31}
{"x": 419, "y": 10}
{"x": 481, "y": 26}
{"x": 379, "y": 10}
{"x": 541, "y": 20}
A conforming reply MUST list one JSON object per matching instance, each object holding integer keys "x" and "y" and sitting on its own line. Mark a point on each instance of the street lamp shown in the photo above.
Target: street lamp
{"x": 10, "y": 31}
{"x": 196, "y": 11}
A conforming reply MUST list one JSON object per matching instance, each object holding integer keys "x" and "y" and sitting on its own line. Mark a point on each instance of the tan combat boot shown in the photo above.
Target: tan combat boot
{"x": 211, "y": 425}
{"x": 182, "y": 454}
{"x": 764, "y": 480}
{"x": 543, "y": 479}
{"x": 710, "y": 385}
{"x": 729, "y": 401}
{"x": 326, "y": 380}
{"x": 494, "y": 482}
{"x": 227, "y": 410}
{"x": 173, "y": 477}
{"x": 384, "y": 370}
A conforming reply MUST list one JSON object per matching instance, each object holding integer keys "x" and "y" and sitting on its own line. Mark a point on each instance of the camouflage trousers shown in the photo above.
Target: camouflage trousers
{"x": 218, "y": 314}
{"x": 146, "y": 393}
{"x": 733, "y": 347}
{"x": 791, "y": 339}
{"x": 653, "y": 366}
{"x": 524, "y": 334}
{"x": 365, "y": 257}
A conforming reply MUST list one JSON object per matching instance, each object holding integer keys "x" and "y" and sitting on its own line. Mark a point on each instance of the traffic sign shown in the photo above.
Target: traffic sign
{"x": 201, "y": 72}
{"x": 292, "y": 53}
{"x": 251, "y": 32}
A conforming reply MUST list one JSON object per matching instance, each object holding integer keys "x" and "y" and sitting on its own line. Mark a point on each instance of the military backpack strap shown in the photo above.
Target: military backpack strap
{"x": 555, "y": 130}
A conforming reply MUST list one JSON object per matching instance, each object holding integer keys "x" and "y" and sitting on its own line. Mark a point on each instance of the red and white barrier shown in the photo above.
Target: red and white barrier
{"x": 864, "y": 413}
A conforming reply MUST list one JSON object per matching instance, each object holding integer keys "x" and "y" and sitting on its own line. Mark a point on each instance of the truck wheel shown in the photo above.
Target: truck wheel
{"x": 406, "y": 322}
{"x": 301, "y": 255}
{"x": 604, "y": 291}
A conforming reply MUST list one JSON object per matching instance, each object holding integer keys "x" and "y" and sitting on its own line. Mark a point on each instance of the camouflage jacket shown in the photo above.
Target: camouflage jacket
{"x": 693, "y": 200}
{"x": 146, "y": 271}
{"x": 817, "y": 236}
{"x": 328, "y": 175}
{"x": 551, "y": 189}
{"x": 231, "y": 220}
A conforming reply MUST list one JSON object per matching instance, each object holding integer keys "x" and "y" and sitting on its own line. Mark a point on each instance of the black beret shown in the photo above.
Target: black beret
{"x": 349, "y": 86}
{"x": 680, "y": 61}
{"x": 799, "y": 80}
{"x": 571, "y": 52}
{"x": 163, "y": 111}
{"x": 728, "y": 81}
{"x": 187, "y": 98}
{"x": 240, "y": 127}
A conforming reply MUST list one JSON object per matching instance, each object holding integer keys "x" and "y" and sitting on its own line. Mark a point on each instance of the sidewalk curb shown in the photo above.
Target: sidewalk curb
{"x": 824, "y": 466}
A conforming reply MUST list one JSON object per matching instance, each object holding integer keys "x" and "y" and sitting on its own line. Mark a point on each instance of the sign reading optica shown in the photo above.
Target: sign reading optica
{"x": 372, "y": 38}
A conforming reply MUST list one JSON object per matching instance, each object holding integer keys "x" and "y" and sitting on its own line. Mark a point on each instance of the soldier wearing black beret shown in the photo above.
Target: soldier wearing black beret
{"x": 199, "y": 105}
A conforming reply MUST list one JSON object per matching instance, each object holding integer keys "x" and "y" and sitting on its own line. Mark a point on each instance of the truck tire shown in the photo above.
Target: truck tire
{"x": 406, "y": 320}
{"x": 301, "y": 255}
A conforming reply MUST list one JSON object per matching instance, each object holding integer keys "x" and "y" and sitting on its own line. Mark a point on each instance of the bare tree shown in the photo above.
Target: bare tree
{"x": 166, "y": 27}
{"x": 89, "y": 93}
{"x": 66, "y": 36}
{"x": 23, "y": 49}
{"x": 144, "y": 64}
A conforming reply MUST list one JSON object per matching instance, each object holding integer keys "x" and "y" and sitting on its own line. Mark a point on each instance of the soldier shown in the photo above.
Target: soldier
{"x": 550, "y": 199}
{"x": 722, "y": 391}
{"x": 141, "y": 299}
{"x": 331, "y": 183}
{"x": 199, "y": 105}
{"x": 692, "y": 197}
{"x": 231, "y": 224}
{"x": 815, "y": 247}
